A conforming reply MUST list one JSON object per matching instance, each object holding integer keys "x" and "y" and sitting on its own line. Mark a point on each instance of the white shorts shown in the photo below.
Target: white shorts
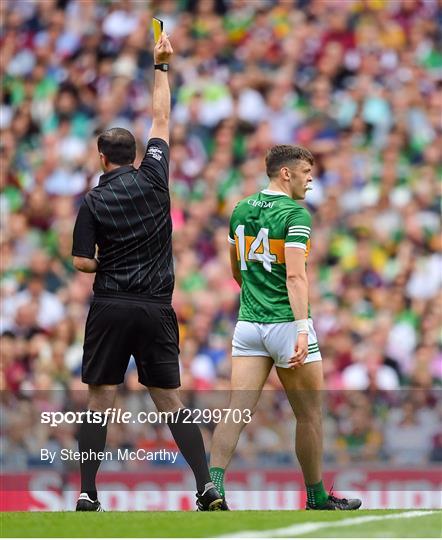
{"x": 276, "y": 340}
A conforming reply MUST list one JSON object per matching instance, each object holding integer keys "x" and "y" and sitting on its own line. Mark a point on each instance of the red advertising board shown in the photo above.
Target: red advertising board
{"x": 278, "y": 489}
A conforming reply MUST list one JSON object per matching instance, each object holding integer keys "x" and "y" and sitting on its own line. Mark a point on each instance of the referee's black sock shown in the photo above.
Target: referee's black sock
{"x": 91, "y": 438}
{"x": 189, "y": 440}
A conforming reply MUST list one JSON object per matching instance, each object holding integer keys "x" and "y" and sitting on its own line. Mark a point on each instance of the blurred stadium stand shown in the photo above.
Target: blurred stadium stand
{"x": 357, "y": 82}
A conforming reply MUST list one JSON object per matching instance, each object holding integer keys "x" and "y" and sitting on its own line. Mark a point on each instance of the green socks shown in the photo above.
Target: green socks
{"x": 217, "y": 475}
{"x": 316, "y": 494}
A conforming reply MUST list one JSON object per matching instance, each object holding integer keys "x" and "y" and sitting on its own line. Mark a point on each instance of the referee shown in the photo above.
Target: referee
{"x": 127, "y": 217}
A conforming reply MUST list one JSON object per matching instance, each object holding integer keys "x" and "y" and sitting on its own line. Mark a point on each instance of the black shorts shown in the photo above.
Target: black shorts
{"x": 117, "y": 329}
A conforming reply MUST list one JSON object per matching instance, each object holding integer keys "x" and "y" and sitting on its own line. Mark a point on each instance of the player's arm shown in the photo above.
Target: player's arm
{"x": 236, "y": 272}
{"x": 297, "y": 288}
{"x": 297, "y": 283}
{"x": 161, "y": 91}
{"x": 84, "y": 239}
{"x": 296, "y": 244}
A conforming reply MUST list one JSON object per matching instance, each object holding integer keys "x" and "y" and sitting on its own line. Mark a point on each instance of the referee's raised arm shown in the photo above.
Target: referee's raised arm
{"x": 161, "y": 92}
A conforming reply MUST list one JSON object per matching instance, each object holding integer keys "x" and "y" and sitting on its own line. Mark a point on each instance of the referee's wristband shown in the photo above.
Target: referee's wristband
{"x": 302, "y": 326}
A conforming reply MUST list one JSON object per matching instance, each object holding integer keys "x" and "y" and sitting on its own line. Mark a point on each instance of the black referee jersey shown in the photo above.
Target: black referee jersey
{"x": 128, "y": 217}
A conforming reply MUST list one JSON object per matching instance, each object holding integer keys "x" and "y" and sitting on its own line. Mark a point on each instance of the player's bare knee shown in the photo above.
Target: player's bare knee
{"x": 309, "y": 415}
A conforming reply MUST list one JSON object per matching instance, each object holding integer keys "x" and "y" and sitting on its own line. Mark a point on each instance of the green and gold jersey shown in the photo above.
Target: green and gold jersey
{"x": 261, "y": 226}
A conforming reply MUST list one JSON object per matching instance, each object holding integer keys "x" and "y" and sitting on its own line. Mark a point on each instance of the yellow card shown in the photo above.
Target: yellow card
{"x": 157, "y": 26}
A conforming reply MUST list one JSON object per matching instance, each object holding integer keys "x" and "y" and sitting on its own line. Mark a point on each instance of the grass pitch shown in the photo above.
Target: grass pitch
{"x": 363, "y": 523}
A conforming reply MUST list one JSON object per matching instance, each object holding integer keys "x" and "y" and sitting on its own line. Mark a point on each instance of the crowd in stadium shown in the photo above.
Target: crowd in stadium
{"x": 357, "y": 82}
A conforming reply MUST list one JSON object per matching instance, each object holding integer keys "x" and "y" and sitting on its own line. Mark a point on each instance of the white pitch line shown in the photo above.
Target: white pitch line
{"x": 305, "y": 528}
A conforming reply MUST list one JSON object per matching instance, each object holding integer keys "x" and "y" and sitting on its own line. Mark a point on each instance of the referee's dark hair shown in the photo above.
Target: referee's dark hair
{"x": 118, "y": 145}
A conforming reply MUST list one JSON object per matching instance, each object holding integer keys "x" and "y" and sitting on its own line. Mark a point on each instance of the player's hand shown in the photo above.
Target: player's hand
{"x": 163, "y": 50}
{"x": 301, "y": 351}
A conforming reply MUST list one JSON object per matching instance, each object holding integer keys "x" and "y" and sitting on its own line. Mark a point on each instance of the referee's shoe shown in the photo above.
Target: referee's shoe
{"x": 86, "y": 504}
{"x": 209, "y": 500}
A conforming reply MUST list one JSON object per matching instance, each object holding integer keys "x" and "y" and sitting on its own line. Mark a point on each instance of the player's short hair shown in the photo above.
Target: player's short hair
{"x": 118, "y": 145}
{"x": 282, "y": 154}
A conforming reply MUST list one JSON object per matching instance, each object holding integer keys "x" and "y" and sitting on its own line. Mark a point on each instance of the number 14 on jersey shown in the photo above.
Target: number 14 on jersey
{"x": 259, "y": 248}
